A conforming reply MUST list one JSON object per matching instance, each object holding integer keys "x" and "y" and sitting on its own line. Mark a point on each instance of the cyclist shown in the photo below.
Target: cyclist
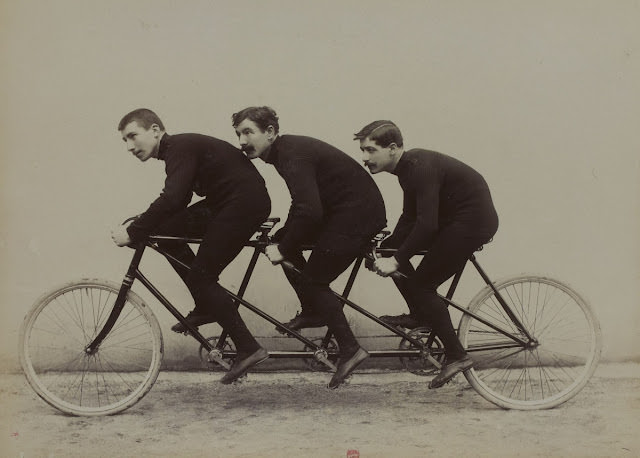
{"x": 335, "y": 204}
{"x": 235, "y": 204}
{"x": 447, "y": 210}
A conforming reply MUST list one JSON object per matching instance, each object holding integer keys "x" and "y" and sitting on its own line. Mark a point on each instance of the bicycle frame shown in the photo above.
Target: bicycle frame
{"x": 216, "y": 352}
{"x": 517, "y": 341}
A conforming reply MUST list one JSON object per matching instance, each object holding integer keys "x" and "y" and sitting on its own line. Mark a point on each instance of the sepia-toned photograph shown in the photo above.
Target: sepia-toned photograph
{"x": 320, "y": 229}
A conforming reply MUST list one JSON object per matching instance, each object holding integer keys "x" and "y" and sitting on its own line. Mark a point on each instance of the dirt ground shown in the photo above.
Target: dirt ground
{"x": 378, "y": 414}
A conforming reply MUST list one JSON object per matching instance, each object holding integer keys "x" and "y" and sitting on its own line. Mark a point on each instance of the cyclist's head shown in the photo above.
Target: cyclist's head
{"x": 142, "y": 131}
{"x": 263, "y": 117}
{"x": 257, "y": 128}
{"x": 381, "y": 132}
{"x": 143, "y": 116}
{"x": 381, "y": 145}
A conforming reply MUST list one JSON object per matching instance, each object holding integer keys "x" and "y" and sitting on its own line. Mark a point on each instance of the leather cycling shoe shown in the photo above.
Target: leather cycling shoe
{"x": 346, "y": 368}
{"x": 240, "y": 367}
{"x": 194, "y": 318}
{"x": 404, "y": 320}
{"x": 303, "y": 320}
{"x": 450, "y": 370}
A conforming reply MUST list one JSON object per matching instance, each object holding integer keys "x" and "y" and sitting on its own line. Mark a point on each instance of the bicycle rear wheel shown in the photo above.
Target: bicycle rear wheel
{"x": 59, "y": 327}
{"x": 550, "y": 370}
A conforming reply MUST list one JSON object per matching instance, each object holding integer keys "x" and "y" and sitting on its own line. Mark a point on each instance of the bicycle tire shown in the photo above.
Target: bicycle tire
{"x": 56, "y": 331}
{"x": 546, "y": 374}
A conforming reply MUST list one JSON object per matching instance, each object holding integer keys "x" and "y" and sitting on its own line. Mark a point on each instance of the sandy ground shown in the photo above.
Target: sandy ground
{"x": 378, "y": 414}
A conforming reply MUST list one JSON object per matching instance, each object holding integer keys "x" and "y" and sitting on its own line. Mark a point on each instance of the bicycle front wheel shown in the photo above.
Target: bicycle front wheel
{"x": 56, "y": 332}
{"x": 547, "y": 371}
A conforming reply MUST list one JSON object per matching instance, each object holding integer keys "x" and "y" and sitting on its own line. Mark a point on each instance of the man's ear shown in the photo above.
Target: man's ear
{"x": 271, "y": 131}
{"x": 155, "y": 128}
{"x": 393, "y": 147}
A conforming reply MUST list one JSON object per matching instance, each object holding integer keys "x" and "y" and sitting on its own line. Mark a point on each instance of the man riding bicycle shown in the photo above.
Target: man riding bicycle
{"x": 235, "y": 204}
{"x": 447, "y": 210}
{"x": 335, "y": 204}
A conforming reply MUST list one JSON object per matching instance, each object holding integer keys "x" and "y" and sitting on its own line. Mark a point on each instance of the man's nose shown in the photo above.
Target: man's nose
{"x": 130, "y": 146}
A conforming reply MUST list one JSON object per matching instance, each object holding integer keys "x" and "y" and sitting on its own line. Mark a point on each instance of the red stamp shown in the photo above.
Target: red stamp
{"x": 353, "y": 454}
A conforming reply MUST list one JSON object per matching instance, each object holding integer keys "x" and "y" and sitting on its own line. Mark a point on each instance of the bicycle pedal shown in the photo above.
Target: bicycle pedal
{"x": 215, "y": 356}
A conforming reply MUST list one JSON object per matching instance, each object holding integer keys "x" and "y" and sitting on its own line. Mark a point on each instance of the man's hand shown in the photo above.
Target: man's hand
{"x": 120, "y": 236}
{"x": 385, "y": 266}
{"x": 273, "y": 253}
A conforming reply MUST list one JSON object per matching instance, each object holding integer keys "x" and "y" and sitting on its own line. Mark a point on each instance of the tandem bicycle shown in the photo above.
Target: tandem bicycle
{"x": 94, "y": 347}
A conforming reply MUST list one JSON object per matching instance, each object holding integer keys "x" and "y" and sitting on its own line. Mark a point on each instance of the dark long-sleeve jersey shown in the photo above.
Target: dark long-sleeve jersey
{"x": 207, "y": 166}
{"x": 439, "y": 192}
{"x": 329, "y": 190}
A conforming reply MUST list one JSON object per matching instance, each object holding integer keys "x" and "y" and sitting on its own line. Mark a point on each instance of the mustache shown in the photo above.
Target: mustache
{"x": 247, "y": 148}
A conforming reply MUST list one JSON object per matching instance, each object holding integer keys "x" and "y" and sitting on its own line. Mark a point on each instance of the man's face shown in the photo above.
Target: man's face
{"x": 253, "y": 141}
{"x": 142, "y": 143}
{"x": 376, "y": 158}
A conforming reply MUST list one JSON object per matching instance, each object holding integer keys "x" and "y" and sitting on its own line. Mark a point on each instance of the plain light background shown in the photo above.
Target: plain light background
{"x": 543, "y": 98}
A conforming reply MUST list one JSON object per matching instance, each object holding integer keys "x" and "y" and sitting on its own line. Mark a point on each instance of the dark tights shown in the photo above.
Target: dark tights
{"x": 446, "y": 257}
{"x": 332, "y": 255}
{"x": 223, "y": 239}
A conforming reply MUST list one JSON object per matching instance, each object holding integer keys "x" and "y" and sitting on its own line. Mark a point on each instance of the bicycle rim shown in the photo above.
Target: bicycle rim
{"x": 56, "y": 332}
{"x": 544, "y": 374}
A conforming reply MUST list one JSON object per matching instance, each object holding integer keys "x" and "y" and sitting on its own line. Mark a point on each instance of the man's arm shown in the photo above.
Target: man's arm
{"x": 181, "y": 168}
{"x": 403, "y": 226}
{"x": 306, "y": 212}
{"x": 424, "y": 187}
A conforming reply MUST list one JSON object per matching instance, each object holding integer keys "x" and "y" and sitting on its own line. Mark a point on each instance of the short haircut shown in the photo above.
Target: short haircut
{"x": 382, "y": 132}
{"x": 262, "y": 116}
{"x": 143, "y": 116}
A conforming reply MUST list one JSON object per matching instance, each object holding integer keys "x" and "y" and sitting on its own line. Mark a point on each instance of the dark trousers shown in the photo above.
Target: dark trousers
{"x": 449, "y": 253}
{"x": 224, "y": 235}
{"x": 332, "y": 254}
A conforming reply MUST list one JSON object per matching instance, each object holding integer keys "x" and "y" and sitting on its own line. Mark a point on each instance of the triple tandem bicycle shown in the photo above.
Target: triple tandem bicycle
{"x": 93, "y": 347}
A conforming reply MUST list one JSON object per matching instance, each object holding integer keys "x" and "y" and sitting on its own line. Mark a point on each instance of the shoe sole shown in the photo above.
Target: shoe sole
{"x": 244, "y": 372}
{"x": 284, "y": 332}
{"x": 196, "y": 326}
{"x": 348, "y": 374}
{"x": 433, "y": 386}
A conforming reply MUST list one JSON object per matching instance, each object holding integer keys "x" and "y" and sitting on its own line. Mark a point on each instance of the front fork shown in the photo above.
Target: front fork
{"x": 129, "y": 277}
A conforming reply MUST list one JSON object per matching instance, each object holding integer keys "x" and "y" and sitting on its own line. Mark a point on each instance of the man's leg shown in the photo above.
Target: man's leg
{"x": 413, "y": 319}
{"x": 308, "y": 317}
{"x": 221, "y": 244}
{"x": 446, "y": 256}
{"x": 331, "y": 257}
{"x": 224, "y": 233}
{"x": 191, "y": 222}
